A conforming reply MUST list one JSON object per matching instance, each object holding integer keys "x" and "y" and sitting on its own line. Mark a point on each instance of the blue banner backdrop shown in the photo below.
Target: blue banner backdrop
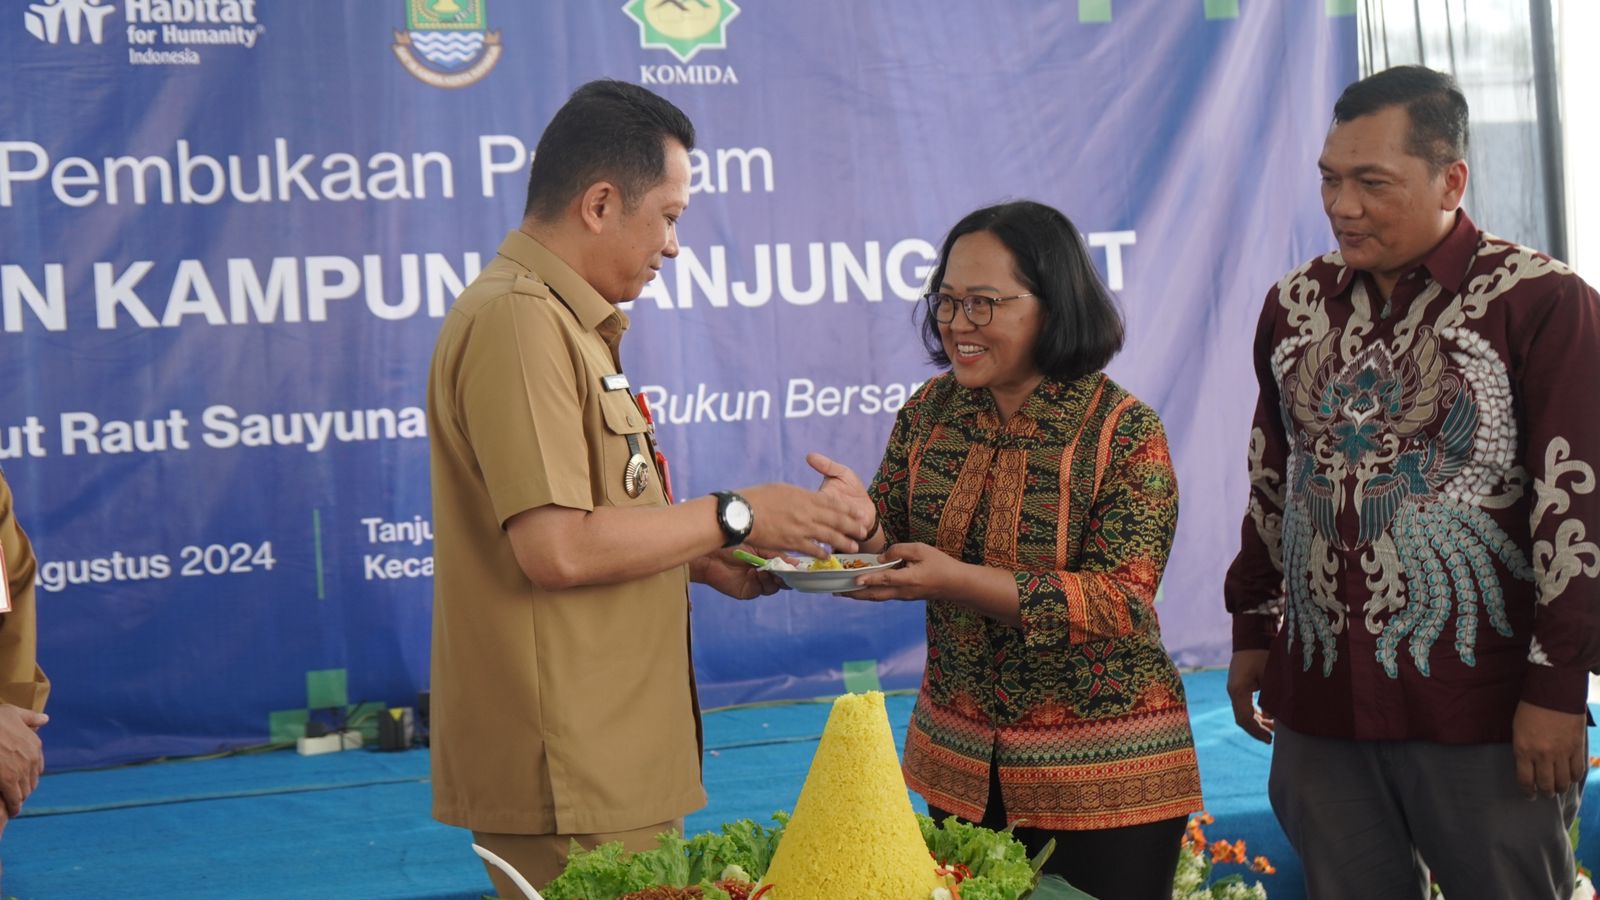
{"x": 228, "y": 230}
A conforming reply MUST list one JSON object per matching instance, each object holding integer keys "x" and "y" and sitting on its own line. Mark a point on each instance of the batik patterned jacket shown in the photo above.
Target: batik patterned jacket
{"x": 1423, "y": 512}
{"x": 1081, "y": 709}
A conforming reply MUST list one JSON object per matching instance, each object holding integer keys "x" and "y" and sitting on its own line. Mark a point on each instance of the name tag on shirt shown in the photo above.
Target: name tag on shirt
{"x": 617, "y": 382}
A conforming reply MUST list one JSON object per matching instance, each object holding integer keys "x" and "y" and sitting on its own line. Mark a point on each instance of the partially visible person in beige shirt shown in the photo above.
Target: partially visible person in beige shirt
{"x": 23, "y": 687}
{"x": 563, "y": 702}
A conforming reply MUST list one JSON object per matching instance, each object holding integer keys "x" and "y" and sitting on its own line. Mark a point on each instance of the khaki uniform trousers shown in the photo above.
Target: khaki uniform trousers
{"x": 541, "y": 857}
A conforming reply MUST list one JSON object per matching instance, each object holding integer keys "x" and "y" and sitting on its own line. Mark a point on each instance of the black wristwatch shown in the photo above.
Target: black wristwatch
{"x": 734, "y": 517}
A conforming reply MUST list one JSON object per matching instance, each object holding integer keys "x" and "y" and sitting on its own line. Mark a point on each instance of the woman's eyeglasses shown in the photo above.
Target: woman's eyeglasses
{"x": 978, "y": 310}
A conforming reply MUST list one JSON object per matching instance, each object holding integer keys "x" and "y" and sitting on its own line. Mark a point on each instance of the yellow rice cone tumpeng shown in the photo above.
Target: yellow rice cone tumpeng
{"x": 853, "y": 833}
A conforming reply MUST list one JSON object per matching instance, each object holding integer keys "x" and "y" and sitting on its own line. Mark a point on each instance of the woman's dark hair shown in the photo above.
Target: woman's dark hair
{"x": 1082, "y": 328}
{"x": 606, "y": 131}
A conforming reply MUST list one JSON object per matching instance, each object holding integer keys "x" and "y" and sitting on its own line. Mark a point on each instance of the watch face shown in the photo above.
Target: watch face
{"x": 738, "y": 515}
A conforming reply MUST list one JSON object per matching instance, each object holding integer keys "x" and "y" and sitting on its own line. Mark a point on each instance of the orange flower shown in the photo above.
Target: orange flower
{"x": 1226, "y": 851}
{"x": 1594, "y": 762}
{"x": 1205, "y": 818}
{"x": 1264, "y": 866}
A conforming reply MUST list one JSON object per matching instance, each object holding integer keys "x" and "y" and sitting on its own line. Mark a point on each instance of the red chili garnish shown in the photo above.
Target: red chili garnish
{"x": 962, "y": 873}
{"x": 759, "y": 891}
{"x": 736, "y": 890}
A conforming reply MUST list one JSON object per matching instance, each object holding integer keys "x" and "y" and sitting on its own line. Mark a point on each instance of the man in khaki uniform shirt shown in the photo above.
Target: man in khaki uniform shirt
{"x": 23, "y": 687}
{"x": 563, "y": 701}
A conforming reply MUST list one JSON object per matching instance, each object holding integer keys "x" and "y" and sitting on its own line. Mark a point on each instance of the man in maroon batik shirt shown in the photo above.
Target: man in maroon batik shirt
{"x": 1415, "y": 598}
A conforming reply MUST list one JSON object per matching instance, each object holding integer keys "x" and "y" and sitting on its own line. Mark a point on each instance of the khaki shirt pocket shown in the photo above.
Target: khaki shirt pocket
{"x": 625, "y": 437}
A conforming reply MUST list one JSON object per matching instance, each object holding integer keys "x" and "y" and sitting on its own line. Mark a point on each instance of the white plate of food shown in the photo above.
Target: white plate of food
{"x": 835, "y": 574}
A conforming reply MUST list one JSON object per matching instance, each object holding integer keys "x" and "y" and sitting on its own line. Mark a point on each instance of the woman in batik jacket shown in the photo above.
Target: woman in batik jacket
{"x": 1033, "y": 502}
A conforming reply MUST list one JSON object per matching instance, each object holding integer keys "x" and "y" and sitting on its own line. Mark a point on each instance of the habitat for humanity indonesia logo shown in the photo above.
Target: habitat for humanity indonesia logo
{"x": 447, "y": 43}
{"x": 158, "y": 32}
{"x": 684, "y": 27}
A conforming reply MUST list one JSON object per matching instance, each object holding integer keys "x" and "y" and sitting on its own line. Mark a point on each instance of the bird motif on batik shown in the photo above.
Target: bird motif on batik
{"x": 1362, "y": 431}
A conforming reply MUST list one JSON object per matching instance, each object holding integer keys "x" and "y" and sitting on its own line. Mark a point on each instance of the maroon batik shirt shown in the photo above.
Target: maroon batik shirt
{"x": 1419, "y": 549}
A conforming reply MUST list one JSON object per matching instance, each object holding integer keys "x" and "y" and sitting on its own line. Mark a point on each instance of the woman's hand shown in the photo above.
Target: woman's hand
{"x": 839, "y": 480}
{"x": 927, "y": 573}
{"x": 931, "y": 574}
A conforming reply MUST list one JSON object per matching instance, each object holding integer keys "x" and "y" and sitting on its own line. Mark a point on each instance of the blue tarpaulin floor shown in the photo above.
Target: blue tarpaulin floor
{"x": 356, "y": 824}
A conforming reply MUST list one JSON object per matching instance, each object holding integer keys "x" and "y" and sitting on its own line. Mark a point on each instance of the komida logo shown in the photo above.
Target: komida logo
{"x": 684, "y": 27}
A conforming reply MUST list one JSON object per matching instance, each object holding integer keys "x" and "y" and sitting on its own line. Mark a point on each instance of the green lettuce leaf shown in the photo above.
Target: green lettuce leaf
{"x": 604, "y": 873}
{"x": 997, "y": 860}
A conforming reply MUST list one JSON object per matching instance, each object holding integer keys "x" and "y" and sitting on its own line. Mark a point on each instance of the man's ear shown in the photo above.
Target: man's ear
{"x": 599, "y": 205}
{"x": 1455, "y": 185}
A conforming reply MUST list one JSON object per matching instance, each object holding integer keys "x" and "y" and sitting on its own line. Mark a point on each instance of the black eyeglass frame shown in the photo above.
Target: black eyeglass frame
{"x": 944, "y": 312}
